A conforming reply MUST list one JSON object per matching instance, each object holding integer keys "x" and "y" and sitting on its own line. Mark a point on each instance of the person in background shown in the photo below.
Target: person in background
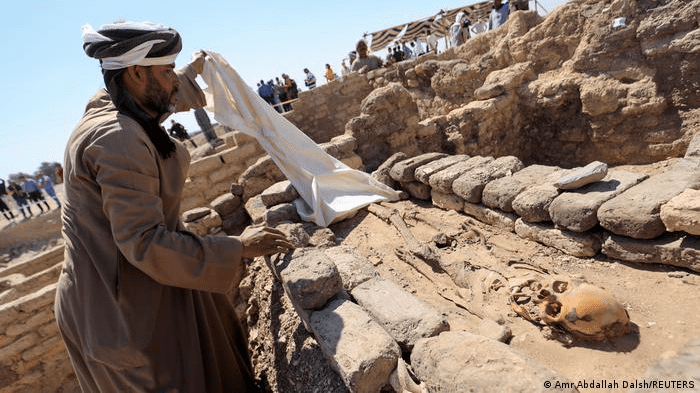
{"x": 46, "y": 183}
{"x": 141, "y": 303}
{"x": 365, "y": 62}
{"x": 499, "y": 14}
{"x": 265, "y": 91}
{"x": 459, "y": 31}
{"x": 330, "y": 75}
{"x": 310, "y": 79}
{"x": 34, "y": 194}
{"x": 4, "y": 208}
{"x": 282, "y": 91}
{"x": 20, "y": 197}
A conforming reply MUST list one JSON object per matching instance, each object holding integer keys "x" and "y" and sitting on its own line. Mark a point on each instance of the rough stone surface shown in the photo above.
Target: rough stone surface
{"x": 447, "y": 201}
{"x": 424, "y": 172}
{"x": 195, "y": 214}
{"x": 459, "y": 361}
{"x": 532, "y": 205}
{"x": 406, "y": 318}
{"x": 404, "y": 171}
{"x": 382, "y": 173}
{"x": 280, "y": 192}
{"x": 471, "y": 184}
{"x": 682, "y": 367}
{"x": 310, "y": 277}
{"x": 490, "y": 216}
{"x": 226, "y": 204}
{"x": 354, "y": 270}
{"x": 578, "y": 210}
{"x": 500, "y": 193}
{"x": 442, "y": 180}
{"x": 579, "y": 177}
{"x": 573, "y": 243}
{"x": 417, "y": 190}
{"x": 675, "y": 249}
{"x": 635, "y": 212}
{"x": 682, "y": 213}
{"x": 256, "y": 209}
{"x": 360, "y": 350}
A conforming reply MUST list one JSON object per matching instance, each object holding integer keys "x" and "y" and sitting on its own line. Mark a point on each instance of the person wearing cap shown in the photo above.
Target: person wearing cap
{"x": 141, "y": 303}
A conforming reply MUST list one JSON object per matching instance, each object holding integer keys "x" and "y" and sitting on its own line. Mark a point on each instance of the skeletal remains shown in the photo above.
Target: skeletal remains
{"x": 585, "y": 311}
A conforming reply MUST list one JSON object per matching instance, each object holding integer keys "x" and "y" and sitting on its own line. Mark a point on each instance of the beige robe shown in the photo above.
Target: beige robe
{"x": 140, "y": 303}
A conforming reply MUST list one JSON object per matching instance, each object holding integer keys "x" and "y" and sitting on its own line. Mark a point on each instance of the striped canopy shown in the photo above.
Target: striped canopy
{"x": 436, "y": 24}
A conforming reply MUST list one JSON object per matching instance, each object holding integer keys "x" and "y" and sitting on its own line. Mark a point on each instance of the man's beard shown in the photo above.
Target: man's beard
{"x": 157, "y": 99}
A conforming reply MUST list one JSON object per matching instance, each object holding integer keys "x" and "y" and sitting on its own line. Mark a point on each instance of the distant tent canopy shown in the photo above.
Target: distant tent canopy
{"x": 437, "y": 24}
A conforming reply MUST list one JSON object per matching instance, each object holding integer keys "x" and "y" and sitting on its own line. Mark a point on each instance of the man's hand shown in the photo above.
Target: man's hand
{"x": 197, "y": 62}
{"x": 258, "y": 241}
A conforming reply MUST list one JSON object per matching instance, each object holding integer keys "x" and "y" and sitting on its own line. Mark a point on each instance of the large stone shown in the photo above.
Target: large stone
{"x": 280, "y": 192}
{"x": 353, "y": 269}
{"x": 490, "y": 216}
{"x": 579, "y": 177}
{"x": 677, "y": 372}
{"x": 226, "y": 204}
{"x": 635, "y": 212}
{"x": 404, "y": 171}
{"x": 471, "y": 184}
{"x": 675, "y": 249}
{"x": 573, "y": 243}
{"x": 417, "y": 190}
{"x": 382, "y": 173}
{"x": 532, "y": 205}
{"x": 578, "y": 210}
{"x": 195, "y": 214}
{"x": 500, "y": 193}
{"x": 256, "y": 209}
{"x": 405, "y": 317}
{"x": 682, "y": 213}
{"x": 442, "y": 180}
{"x": 447, "y": 201}
{"x": 463, "y": 362}
{"x": 424, "y": 172}
{"x": 360, "y": 350}
{"x": 310, "y": 278}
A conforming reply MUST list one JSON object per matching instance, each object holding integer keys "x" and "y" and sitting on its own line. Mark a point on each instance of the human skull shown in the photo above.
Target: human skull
{"x": 584, "y": 310}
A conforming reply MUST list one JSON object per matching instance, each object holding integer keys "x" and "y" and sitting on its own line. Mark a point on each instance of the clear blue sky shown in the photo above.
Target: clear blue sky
{"x": 46, "y": 77}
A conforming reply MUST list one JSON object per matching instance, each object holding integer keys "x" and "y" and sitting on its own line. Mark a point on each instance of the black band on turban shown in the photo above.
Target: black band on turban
{"x": 123, "y": 37}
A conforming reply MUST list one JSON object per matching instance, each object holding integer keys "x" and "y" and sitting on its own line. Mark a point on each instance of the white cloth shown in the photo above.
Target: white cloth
{"x": 330, "y": 189}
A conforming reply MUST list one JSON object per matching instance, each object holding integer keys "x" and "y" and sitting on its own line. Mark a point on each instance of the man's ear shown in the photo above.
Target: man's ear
{"x": 137, "y": 74}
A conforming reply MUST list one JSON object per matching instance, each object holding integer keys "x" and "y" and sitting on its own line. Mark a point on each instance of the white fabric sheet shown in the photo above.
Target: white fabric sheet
{"x": 331, "y": 190}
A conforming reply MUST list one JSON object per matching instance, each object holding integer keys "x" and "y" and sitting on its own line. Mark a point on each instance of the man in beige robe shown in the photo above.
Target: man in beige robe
{"x": 141, "y": 303}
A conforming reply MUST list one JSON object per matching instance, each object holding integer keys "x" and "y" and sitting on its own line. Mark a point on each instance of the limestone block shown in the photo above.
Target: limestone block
{"x": 310, "y": 277}
{"x": 681, "y": 368}
{"x": 280, "y": 213}
{"x": 320, "y": 236}
{"x": 578, "y": 210}
{"x": 226, "y": 204}
{"x": 256, "y": 209}
{"x": 470, "y": 185}
{"x": 490, "y": 216}
{"x": 447, "y": 201}
{"x": 405, "y": 317}
{"x": 532, "y": 205}
{"x": 280, "y": 192}
{"x": 205, "y": 225}
{"x": 635, "y": 212}
{"x": 682, "y": 213}
{"x": 353, "y": 161}
{"x": 459, "y": 361}
{"x": 424, "y": 172}
{"x": 381, "y": 174}
{"x": 500, "y": 193}
{"x": 359, "y": 349}
{"x": 215, "y": 189}
{"x": 417, "y": 189}
{"x": 693, "y": 150}
{"x": 488, "y": 91}
{"x": 404, "y": 171}
{"x": 579, "y": 177}
{"x": 235, "y": 223}
{"x": 677, "y": 249}
{"x": 354, "y": 270}
{"x": 40, "y": 262}
{"x": 295, "y": 232}
{"x": 340, "y": 146}
{"x": 578, "y": 244}
{"x": 226, "y": 174}
{"x": 442, "y": 180}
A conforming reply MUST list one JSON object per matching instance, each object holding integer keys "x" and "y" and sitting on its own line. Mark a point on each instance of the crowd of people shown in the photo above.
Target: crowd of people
{"x": 282, "y": 93}
{"x": 24, "y": 193}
